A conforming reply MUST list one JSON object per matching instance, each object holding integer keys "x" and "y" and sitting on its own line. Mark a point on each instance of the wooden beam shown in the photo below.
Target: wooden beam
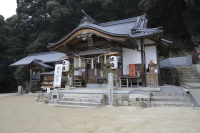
{"x": 113, "y": 53}
{"x": 153, "y": 44}
{"x": 153, "y": 39}
{"x": 98, "y": 43}
{"x": 92, "y": 51}
{"x": 86, "y": 31}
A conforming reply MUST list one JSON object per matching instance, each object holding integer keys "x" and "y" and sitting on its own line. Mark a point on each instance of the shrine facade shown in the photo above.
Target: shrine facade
{"x": 136, "y": 48}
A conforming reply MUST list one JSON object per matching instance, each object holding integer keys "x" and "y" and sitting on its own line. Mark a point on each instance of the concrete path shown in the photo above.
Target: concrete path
{"x": 171, "y": 88}
{"x": 7, "y": 94}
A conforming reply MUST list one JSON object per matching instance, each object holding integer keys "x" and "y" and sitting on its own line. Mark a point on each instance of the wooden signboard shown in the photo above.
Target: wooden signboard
{"x": 132, "y": 70}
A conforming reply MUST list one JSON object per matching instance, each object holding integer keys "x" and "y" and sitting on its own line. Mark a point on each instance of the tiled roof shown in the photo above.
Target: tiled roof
{"x": 196, "y": 39}
{"x": 46, "y": 57}
{"x": 166, "y": 42}
{"x": 197, "y": 49}
{"x": 44, "y": 73}
{"x": 42, "y": 64}
{"x": 131, "y": 27}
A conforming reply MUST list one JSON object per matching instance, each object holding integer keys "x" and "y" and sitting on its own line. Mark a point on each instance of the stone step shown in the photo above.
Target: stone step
{"x": 170, "y": 98}
{"x": 168, "y": 94}
{"x": 76, "y": 106}
{"x": 99, "y": 96}
{"x": 79, "y": 103}
{"x": 190, "y": 75}
{"x": 188, "y": 70}
{"x": 192, "y": 71}
{"x": 190, "y": 81}
{"x": 96, "y": 100}
{"x": 171, "y": 104}
{"x": 191, "y": 78}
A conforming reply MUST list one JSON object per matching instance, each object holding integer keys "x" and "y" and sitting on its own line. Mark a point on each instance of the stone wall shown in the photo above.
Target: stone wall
{"x": 169, "y": 75}
{"x": 197, "y": 66}
{"x": 137, "y": 99}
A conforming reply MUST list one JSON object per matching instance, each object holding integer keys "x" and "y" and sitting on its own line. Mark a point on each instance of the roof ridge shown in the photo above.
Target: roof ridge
{"x": 43, "y": 53}
{"x": 119, "y": 21}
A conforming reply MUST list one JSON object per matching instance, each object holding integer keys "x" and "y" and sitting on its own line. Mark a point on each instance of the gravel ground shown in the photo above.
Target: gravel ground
{"x": 20, "y": 114}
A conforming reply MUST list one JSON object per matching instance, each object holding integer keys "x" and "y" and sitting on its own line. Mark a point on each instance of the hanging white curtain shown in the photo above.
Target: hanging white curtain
{"x": 79, "y": 61}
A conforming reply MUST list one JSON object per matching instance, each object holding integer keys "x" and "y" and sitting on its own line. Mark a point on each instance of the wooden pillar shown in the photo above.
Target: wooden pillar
{"x": 101, "y": 61}
{"x": 143, "y": 62}
{"x": 86, "y": 72}
{"x": 158, "y": 64}
{"x": 122, "y": 63}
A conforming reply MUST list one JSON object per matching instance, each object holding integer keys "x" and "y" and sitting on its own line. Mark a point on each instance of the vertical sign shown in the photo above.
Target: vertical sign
{"x": 110, "y": 89}
{"x": 57, "y": 75}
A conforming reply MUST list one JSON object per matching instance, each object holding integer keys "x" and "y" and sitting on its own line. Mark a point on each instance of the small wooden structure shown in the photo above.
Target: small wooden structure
{"x": 40, "y": 66}
{"x": 91, "y": 44}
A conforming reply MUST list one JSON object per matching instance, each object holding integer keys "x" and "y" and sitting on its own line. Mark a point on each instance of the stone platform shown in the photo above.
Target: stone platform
{"x": 168, "y": 95}
{"x": 80, "y": 90}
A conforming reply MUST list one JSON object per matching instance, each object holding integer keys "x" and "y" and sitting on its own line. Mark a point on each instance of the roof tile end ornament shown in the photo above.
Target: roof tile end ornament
{"x": 146, "y": 30}
{"x": 87, "y": 18}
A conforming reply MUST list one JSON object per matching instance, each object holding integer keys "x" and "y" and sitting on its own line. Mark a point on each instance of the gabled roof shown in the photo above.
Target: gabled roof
{"x": 129, "y": 28}
{"x": 45, "y": 73}
{"x": 166, "y": 42}
{"x": 46, "y": 57}
{"x": 38, "y": 63}
{"x": 196, "y": 39}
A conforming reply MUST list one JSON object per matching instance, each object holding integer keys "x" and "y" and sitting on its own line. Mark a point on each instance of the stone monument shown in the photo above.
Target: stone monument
{"x": 110, "y": 89}
{"x": 54, "y": 97}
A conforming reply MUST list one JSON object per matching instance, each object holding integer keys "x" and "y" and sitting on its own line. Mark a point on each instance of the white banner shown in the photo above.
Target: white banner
{"x": 57, "y": 75}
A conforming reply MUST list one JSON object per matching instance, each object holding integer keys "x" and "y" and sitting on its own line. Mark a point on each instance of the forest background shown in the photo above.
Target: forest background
{"x": 39, "y": 22}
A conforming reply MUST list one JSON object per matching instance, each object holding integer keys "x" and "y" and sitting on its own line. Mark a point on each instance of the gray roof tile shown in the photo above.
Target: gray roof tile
{"x": 46, "y": 57}
{"x": 42, "y": 64}
{"x": 196, "y": 39}
{"x": 123, "y": 27}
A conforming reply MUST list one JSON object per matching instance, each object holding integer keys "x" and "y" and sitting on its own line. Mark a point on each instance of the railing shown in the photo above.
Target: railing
{"x": 178, "y": 61}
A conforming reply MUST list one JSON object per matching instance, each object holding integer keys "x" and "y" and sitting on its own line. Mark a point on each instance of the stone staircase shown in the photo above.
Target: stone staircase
{"x": 189, "y": 74}
{"x": 169, "y": 99}
{"x": 81, "y": 100}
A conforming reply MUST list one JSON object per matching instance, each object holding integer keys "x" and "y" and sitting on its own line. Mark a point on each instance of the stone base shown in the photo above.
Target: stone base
{"x": 97, "y": 85}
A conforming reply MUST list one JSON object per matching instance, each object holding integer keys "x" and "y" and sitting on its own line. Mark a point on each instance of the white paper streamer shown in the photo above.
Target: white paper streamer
{"x": 79, "y": 61}
{"x": 104, "y": 59}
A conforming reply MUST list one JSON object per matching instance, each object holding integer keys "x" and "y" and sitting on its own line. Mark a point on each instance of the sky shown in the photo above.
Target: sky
{"x": 8, "y": 8}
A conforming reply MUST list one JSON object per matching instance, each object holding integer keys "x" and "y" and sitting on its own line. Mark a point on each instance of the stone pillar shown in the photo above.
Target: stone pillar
{"x": 54, "y": 97}
{"x": 110, "y": 89}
